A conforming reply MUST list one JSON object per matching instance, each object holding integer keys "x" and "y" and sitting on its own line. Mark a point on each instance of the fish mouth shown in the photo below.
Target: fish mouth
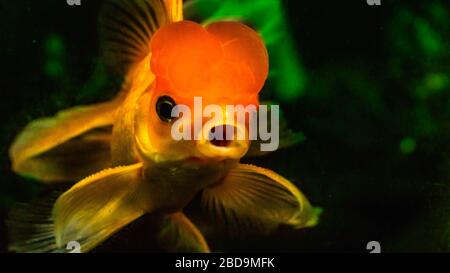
{"x": 224, "y": 147}
{"x": 199, "y": 160}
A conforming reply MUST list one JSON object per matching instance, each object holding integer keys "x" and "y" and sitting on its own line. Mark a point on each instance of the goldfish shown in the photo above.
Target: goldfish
{"x": 122, "y": 152}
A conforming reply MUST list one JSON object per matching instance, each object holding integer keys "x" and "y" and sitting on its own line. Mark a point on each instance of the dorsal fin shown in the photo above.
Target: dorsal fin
{"x": 175, "y": 10}
{"x": 126, "y": 27}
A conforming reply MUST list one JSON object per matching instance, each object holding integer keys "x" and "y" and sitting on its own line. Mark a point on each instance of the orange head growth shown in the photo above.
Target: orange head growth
{"x": 224, "y": 60}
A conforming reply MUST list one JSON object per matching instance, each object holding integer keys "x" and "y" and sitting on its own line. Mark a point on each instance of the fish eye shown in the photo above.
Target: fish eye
{"x": 164, "y": 107}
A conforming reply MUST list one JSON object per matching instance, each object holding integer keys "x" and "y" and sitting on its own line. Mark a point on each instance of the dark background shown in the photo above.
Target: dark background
{"x": 375, "y": 113}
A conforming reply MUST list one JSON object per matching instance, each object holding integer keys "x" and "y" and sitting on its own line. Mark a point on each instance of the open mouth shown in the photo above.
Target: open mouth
{"x": 221, "y": 143}
{"x": 224, "y": 140}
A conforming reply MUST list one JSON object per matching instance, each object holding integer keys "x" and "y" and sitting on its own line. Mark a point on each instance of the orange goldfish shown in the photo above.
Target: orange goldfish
{"x": 122, "y": 152}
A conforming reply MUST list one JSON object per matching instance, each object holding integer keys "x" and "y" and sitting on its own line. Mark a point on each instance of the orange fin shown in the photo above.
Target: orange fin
{"x": 179, "y": 234}
{"x": 98, "y": 206}
{"x": 253, "y": 198}
{"x": 126, "y": 27}
{"x": 51, "y": 149}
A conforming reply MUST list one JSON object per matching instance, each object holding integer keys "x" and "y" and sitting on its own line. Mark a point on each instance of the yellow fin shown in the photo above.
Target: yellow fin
{"x": 98, "y": 206}
{"x": 254, "y": 198}
{"x": 47, "y": 135}
{"x": 30, "y": 226}
{"x": 126, "y": 27}
{"x": 179, "y": 234}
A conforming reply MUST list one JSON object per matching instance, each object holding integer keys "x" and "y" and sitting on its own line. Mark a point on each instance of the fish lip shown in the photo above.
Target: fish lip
{"x": 196, "y": 159}
{"x": 217, "y": 153}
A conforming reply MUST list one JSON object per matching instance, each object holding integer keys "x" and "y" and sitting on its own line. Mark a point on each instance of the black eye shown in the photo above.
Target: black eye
{"x": 164, "y": 107}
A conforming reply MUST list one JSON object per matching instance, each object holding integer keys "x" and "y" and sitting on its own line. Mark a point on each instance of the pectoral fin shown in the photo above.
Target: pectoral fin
{"x": 179, "y": 234}
{"x": 287, "y": 137}
{"x": 64, "y": 147}
{"x": 30, "y": 226}
{"x": 98, "y": 206}
{"x": 258, "y": 199}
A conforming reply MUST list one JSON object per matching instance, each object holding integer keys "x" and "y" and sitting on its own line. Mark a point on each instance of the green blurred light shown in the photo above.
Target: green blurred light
{"x": 53, "y": 68}
{"x": 54, "y": 53}
{"x": 267, "y": 16}
{"x": 425, "y": 124}
{"x": 429, "y": 39}
{"x": 291, "y": 77}
{"x": 439, "y": 12}
{"x": 54, "y": 45}
{"x": 407, "y": 145}
{"x": 433, "y": 84}
{"x": 437, "y": 81}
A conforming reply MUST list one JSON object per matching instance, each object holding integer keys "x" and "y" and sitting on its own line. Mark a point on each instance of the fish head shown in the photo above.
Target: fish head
{"x": 223, "y": 66}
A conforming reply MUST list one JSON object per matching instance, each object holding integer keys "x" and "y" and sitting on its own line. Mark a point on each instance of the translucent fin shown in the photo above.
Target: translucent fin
{"x": 126, "y": 27}
{"x": 30, "y": 226}
{"x": 179, "y": 234}
{"x": 98, "y": 206}
{"x": 253, "y": 198}
{"x": 72, "y": 160}
{"x": 287, "y": 137}
{"x": 46, "y": 134}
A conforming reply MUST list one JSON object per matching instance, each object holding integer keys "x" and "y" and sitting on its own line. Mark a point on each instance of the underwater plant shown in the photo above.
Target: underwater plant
{"x": 121, "y": 154}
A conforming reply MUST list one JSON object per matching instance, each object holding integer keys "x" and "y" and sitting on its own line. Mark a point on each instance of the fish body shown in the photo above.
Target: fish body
{"x": 127, "y": 161}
